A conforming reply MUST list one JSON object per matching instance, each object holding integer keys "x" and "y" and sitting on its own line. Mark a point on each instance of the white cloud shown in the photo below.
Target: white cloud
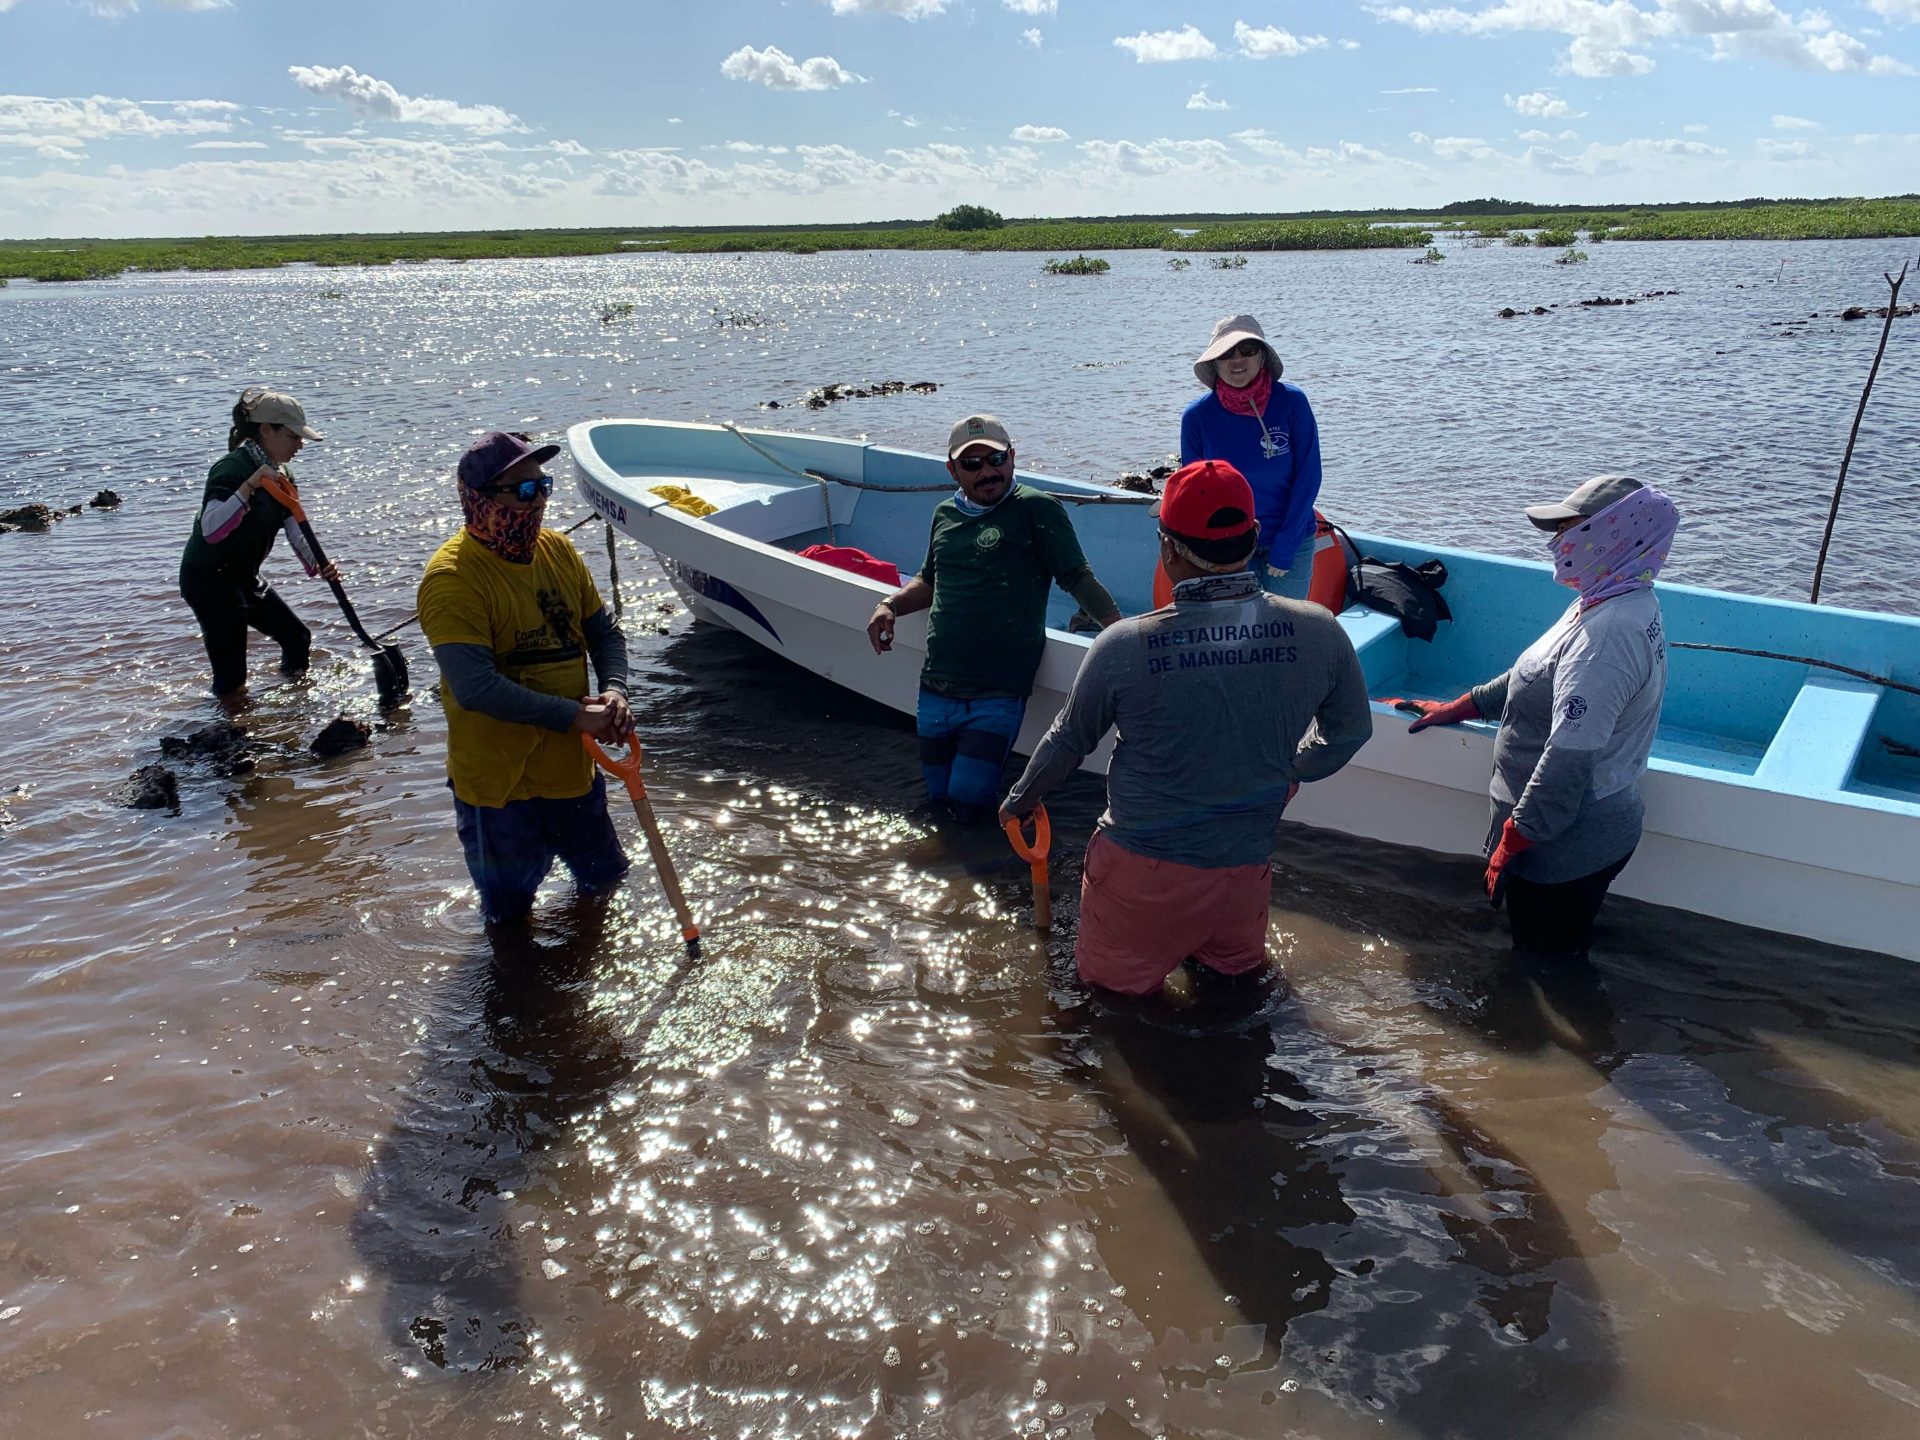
{"x": 1785, "y": 150}
{"x": 1031, "y": 38}
{"x": 1039, "y": 134}
{"x": 1161, "y": 46}
{"x": 100, "y": 117}
{"x": 747, "y": 147}
{"x": 1612, "y": 37}
{"x": 905, "y": 9}
{"x": 1541, "y": 105}
{"x": 228, "y": 145}
{"x": 376, "y": 98}
{"x": 1901, "y": 12}
{"x": 1794, "y": 122}
{"x": 675, "y": 120}
{"x": 1414, "y": 90}
{"x": 115, "y": 8}
{"x": 1200, "y": 100}
{"x": 1694, "y": 129}
{"x": 1033, "y": 7}
{"x": 777, "y": 70}
{"x": 1534, "y": 137}
{"x": 1272, "y": 42}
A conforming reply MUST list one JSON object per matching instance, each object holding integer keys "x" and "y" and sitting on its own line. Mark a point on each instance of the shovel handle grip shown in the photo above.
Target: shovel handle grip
{"x": 1036, "y": 853}
{"x": 626, "y": 771}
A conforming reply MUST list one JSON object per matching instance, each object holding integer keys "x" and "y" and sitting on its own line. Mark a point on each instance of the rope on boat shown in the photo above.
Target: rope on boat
{"x": 613, "y": 573}
{"x": 1800, "y": 660}
{"x": 1065, "y": 498}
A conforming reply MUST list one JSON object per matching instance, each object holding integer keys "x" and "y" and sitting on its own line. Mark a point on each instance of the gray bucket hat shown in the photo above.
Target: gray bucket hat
{"x": 1228, "y": 333}
{"x": 1586, "y": 501}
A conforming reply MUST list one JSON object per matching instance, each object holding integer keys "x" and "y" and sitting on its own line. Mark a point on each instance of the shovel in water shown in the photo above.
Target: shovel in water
{"x": 389, "y": 663}
{"x": 1036, "y": 856}
{"x": 627, "y": 772}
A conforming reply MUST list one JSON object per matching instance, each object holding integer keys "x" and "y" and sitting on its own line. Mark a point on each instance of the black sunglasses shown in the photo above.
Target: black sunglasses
{"x": 1247, "y": 349}
{"x": 974, "y": 459}
{"x": 524, "y": 489}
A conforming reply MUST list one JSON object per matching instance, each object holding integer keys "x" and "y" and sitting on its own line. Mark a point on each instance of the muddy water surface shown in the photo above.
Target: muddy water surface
{"x": 289, "y": 1148}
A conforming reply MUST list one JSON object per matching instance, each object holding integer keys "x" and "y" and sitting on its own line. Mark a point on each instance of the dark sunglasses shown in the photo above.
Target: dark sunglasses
{"x": 974, "y": 459}
{"x": 525, "y": 490}
{"x": 1247, "y": 349}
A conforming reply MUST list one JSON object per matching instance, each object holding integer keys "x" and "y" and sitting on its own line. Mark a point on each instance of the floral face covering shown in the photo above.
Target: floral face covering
{"x": 508, "y": 530}
{"x": 1619, "y": 550}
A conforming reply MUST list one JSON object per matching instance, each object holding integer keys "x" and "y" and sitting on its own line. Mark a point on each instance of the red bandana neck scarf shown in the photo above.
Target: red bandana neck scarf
{"x": 506, "y": 530}
{"x": 1250, "y": 401}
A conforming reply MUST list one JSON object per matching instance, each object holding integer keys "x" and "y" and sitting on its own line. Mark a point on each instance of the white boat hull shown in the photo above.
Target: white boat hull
{"x": 1726, "y": 845}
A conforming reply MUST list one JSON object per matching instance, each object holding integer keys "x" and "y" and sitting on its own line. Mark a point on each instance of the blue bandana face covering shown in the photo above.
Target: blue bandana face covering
{"x": 967, "y": 507}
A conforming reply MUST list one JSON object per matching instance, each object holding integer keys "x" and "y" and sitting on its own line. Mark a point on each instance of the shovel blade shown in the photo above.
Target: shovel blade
{"x": 390, "y": 674}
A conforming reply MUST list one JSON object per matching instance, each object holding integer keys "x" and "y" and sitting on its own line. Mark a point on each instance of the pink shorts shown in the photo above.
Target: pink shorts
{"x": 1140, "y": 918}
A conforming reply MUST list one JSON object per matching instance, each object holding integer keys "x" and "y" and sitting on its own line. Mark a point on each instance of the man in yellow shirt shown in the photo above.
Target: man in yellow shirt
{"x": 513, "y": 617}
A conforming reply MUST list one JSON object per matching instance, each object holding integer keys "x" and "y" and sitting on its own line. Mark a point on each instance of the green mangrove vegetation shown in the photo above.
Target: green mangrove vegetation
{"x": 973, "y": 228}
{"x": 1079, "y": 265}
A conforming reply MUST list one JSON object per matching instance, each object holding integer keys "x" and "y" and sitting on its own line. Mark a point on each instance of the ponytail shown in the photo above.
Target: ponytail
{"x": 243, "y": 428}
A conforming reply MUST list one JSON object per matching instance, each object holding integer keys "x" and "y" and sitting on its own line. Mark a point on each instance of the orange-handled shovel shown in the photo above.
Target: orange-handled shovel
{"x": 1036, "y": 856}
{"x": 627, "y": 772}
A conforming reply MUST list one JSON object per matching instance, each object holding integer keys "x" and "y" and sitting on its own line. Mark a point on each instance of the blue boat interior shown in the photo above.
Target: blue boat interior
{"x": 1777, "y": 724}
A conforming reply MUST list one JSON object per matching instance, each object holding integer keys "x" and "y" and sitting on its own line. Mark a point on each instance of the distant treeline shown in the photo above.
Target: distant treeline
{"x": 1735, "y": 220}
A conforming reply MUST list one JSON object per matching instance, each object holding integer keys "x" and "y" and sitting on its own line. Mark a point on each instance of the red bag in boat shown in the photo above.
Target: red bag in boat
{"x": 845, "y": 557}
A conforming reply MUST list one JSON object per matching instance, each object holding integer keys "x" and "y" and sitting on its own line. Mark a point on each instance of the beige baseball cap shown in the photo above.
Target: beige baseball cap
{"x": 270, "y": 407}
{"x": 978, "y": 430}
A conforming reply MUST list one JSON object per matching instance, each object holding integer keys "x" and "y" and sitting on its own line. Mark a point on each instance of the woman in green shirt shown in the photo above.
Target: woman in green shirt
{"x": 232, "y": 533}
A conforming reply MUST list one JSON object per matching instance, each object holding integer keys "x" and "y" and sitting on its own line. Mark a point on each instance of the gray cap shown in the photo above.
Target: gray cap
{"x": 1228, "y": 333}
{"x": 271, "y": 407}
{"x": 1586, "y": 500}
{"x": 978, "y": 430}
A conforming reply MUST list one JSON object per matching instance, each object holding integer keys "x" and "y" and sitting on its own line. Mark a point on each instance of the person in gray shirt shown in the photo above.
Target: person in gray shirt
{"x": 1224, "y": 702}
{"x": 1578, "y": 711}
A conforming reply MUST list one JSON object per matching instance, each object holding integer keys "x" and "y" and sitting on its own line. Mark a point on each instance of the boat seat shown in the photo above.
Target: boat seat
{"x": 1379, "y": 641}
{"x": 772, "y": 513}
{"x": 1814, "y": 750}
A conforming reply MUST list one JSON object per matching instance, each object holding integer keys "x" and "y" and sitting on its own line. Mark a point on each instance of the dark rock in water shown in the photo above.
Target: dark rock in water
{"x": 223, "y": 747}
{"x": 771, "y": 405}
{"x": 1507, "y": 312}
{"x": 105, "y": 500}
{"x": 827, "y": 394}
{"x": 1160, "y": 472}
{"x": 29, "y": 517}
{"x": 151, "y": 787}
{"x": 1139, "y": 484}
{"x": 341, "y": 736}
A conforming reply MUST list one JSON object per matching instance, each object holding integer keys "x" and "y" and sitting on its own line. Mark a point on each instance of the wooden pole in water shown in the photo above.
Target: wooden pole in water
{"x": 1833, "y": 511}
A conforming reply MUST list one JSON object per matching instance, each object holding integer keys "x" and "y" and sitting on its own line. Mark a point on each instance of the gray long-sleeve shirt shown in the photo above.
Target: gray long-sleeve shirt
{"x": 1578, "y": 713}
{"x": 473, "y": 675}
{"x": 1222, "y": 700}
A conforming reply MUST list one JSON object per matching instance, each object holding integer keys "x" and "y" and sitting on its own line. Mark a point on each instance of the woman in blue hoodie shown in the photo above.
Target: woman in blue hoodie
{"x": 1264, "y": 428}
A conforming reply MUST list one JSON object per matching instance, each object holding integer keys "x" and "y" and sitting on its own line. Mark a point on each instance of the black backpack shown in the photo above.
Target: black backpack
{"x": 1411, "y": 592}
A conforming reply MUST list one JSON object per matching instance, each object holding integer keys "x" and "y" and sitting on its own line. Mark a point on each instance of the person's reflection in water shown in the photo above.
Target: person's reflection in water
{"x": 1202, "y": 1107}
{"x": 517, "y": 1052}
{"x": 1215, "y": 1102}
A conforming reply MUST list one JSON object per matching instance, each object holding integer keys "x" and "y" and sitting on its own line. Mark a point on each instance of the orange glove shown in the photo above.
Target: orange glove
{"x": 1435, "y": 712}
{"x": 1512, "y": 843}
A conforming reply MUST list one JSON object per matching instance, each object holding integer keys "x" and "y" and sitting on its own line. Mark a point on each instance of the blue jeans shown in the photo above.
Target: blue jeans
{"x": 510, "y": 848}
{"x": 1299, "y": 577}
{"x": 963, "y": 750}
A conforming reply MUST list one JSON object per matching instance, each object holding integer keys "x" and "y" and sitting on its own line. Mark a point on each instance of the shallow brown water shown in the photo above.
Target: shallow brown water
{"x": 287, "y": 1148}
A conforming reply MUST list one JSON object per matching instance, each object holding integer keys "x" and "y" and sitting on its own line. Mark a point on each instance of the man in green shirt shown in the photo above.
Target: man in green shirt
{"x": 996, "y": 549}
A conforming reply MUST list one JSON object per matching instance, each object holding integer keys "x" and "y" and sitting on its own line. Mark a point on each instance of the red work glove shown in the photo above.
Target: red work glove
{"x": 1512, "y": 843}
{"x": 1435, "y": 712}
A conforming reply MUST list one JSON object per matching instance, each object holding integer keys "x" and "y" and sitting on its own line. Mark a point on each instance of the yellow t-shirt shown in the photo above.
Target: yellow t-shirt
{"x": 532, "y": 618}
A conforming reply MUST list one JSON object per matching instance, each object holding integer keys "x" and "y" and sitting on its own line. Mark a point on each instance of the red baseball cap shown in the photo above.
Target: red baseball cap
{"x": 1207, "y": 500}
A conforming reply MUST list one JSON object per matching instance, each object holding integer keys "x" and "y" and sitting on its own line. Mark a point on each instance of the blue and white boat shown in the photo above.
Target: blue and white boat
{"x": 1779, "y": 795}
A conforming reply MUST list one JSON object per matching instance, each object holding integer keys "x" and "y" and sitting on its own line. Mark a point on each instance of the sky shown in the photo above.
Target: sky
{"x": 201, "y": 117}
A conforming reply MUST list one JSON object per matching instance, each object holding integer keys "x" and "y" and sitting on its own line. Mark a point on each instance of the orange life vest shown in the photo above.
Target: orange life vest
{"x": 1327, "y": 587}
